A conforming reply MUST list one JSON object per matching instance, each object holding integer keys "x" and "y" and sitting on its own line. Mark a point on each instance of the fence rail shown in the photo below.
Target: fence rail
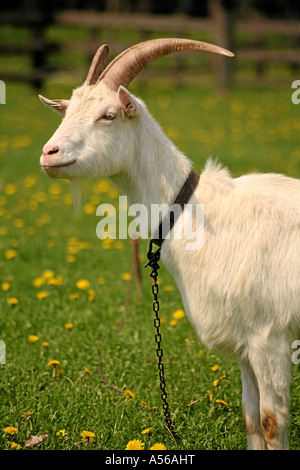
{"x": 219, "y": 26}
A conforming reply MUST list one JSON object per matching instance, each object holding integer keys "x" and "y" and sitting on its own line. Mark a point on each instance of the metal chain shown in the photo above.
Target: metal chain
{"x": 153, "y": 263}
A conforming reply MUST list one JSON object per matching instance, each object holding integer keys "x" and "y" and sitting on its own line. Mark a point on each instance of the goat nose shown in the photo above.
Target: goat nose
{"x": 50, "y": 149}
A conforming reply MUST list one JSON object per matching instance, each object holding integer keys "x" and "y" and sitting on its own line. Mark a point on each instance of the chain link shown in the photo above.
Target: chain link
{"x": 153, "y": 258}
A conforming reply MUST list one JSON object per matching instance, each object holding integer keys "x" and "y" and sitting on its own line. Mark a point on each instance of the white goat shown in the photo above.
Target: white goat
{"x": 241, "y": 291}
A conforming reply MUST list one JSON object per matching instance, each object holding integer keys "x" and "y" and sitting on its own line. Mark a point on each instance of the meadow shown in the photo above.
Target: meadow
{"x": 63, "y": 290}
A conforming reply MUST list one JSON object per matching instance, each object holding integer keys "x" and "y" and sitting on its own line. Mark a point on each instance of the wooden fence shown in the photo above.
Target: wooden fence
{"x": 220, "y": 27}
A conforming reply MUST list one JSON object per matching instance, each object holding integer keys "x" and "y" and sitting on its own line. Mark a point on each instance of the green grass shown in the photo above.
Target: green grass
{"x": 248, "y": 130}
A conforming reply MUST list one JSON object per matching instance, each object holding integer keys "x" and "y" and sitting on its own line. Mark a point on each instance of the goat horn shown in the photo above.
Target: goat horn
{"x": 127, "y": 65}
{"x": 98, "y": 65}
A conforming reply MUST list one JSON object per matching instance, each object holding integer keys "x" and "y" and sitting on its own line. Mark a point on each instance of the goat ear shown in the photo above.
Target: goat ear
{"x": 59, "y": 106}
{"x": 127, "y": 101}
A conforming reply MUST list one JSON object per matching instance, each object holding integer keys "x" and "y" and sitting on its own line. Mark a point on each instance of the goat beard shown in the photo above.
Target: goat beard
{"x": 76, "y": 194}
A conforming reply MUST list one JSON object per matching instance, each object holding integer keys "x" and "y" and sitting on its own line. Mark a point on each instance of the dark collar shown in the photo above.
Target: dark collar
{"x": 183, "y": 197}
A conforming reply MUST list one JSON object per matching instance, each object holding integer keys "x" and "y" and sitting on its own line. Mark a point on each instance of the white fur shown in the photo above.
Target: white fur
{"x": 241, "y": 291}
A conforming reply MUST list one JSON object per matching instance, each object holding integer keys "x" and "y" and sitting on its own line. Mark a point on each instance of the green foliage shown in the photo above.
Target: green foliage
{"x": 45, "y": 248}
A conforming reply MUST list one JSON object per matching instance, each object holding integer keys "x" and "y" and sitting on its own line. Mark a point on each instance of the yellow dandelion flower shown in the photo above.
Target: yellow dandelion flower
{"x": 102, "y": 187}
{"x": 56, "y": 281}
{"x": 86, "y": 245}
{"x": 45, "y": 344}
{"x": 38, "y": 282}
{"x": 210, "y": 395}
{"x": 144, "y": 404}
{"x": 135, "y": 444}
{"x": 215, "y": 367}
{"x": 173, "y": 322}
{"x": 42, "y": 295}
{"x": 101, "y": 281}
{"x": 48, "y": 274}
{"x": 12, "y": 301}
{"x": 129, "y": 393}
{"x": 91, "y": 294}
{"x": 55, "y": 189}
{"x": 33, "y": 338}
{"x": 215, "y": 382}
{"x": 113, "y": 193}
{"x": 68, "y": 326}
{"x": 178, "y": 314}
{"x": 73, "y": 241}
{"x": 89, "y": 208}
{"x": 53, "y": 363}
{"x": 5, "y": 286}
{"x": 107, "y": 243}
{"x": 15, "y": 446}
{"x": 83, "y": 284}
{"x": 10, "y": 189}
{"x": 147, "y": 431}
{"x": 30, "y": 180}
{"x": 19, "y": 223}
{"x": 45, "y": 219}
{"x": 68, "y": 199}
{"x": 119, "y": 245}
{"x": 158, "y": 446}
{"x": 30, "y": 231}
{"x": 189, "y": 341}
{"x": 168, "y": 288}
{"x": 88, "y": 436}
{"x": 126, "y": 276}
{"x": 39, "y": 197}
{"x": 10, "y": 254}
{"x": 13, "y": 242}
{"x": 20, "y": 141}
{"x": 61, "y": 433}
{"x": 73, "y": 296}
{"x": 221, "y": 401}
{"x": 72, "y": 250}
{"x": 70, "y": 258}
{"x": 87, "y": 370}
{"x": 11, "y": 430}
{"x": 27, "y": 414}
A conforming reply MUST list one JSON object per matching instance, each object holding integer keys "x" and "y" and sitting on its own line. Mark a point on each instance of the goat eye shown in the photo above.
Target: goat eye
{"x": 109, "y": 116}
{"x": 106, "y": 117}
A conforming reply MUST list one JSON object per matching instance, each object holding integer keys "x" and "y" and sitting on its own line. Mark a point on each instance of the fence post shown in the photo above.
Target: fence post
{"x": 222, "y": 22}
{"x": 112, "y": 5}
